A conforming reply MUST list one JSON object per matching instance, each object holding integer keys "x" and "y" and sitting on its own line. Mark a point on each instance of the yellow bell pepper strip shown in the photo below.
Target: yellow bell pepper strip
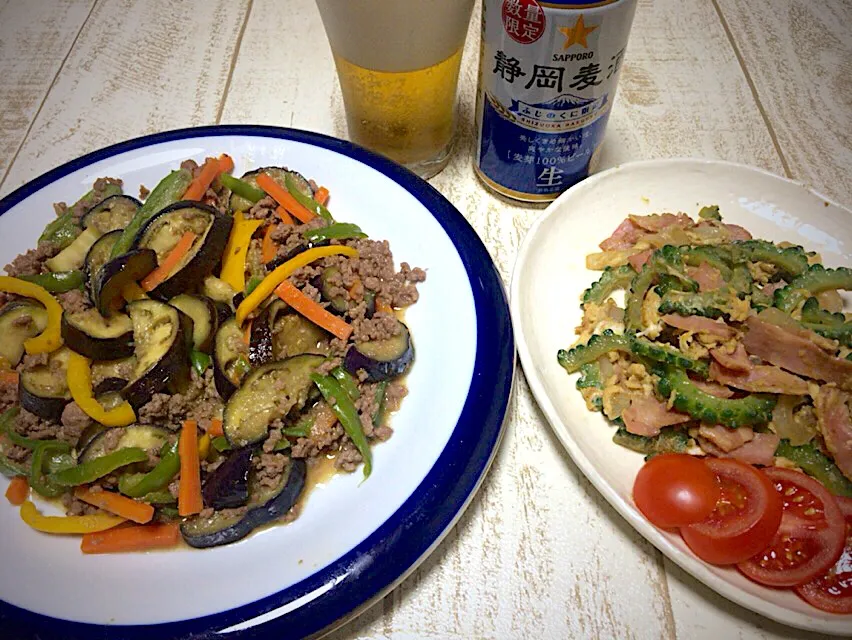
{"x": 234, "y": 261}
{"x": 267, "y": 286}
{"x": 204, "y": 446}
{"x": 80, "y": 385}
{"x": 51, "y": 338}
{"x": 67, "y": 524}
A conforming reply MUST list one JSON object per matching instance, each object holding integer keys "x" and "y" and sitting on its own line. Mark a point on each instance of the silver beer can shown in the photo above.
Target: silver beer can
{"x": 548, "y": 73}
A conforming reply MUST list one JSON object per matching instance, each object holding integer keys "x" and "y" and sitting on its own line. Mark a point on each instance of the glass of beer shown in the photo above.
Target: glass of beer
{"x": 398, "y": 65}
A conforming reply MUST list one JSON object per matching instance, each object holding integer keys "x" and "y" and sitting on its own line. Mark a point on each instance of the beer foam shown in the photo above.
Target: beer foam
{"x": 395, "y": 35}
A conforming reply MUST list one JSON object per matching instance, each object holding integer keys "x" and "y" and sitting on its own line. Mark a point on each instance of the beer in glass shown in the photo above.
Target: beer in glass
{"x": 398, "y": 65}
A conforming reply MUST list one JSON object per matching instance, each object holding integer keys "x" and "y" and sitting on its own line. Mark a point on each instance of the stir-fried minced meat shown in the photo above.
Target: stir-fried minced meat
{"x": 380, "y": 327}
{"x": 74, "y": 420}
{"x": 8, "y": 394}
{"x": 32, "y": 261}
{"x": 32, "y": 426}
{"x": 200, "y": 402}
{"x": 75, "y": 507}
{"x": 74, "y": 301}
{"x": 263, "y": 209}
{"x": 269, "y": 467}
{"x": 348, "y": 458}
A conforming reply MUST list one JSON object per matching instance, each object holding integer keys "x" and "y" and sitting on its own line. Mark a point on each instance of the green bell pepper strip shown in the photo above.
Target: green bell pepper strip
{"x": 64, "y": 229}
{"x": 14, "y": 437}
{"x": 156, "y": 478}
{"x": 159, "y": 497}
{"x": 306, "y": 201}
{"x": 346, "y": 381}
{"x": 59, "y": 282}
{"x": 44, "y": 484}
{"x": 99, "y": 467}
{"x": 200, "y": 361}
{"x": 252, "y": 284}
{"x": 336, "y": 231}
{"x": 10, "y": 468}
{"x": 59, "y": 460}
{"x": 381, "y": 396}
{"x": 167, "y": 511}
{"x": 220, "y": 443}
{"x": 242, "y": 188}
{"x": 345, "y": 411}
{"x": 169, "y": 190}
{"x": 300, "y": 430}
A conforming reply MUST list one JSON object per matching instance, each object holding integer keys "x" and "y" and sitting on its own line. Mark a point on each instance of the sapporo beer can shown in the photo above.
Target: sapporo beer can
{"x": 547, "y": 80}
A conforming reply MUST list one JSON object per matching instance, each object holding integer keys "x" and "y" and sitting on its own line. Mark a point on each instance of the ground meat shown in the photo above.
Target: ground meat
{"x": 191, "y": 166}
{"x": 143, "y": 191}
{"x": 321, "y": 439}
{"x": 74, "y": 421}
{"x": 269, "y": 468}
{"x": 32, "y": 360}
{"x": 394, "y": 393}
{"x": 111, "y": 438}
{"x": 174, "y": 486}
{"x": 16, "y": 453}
{"x": 8, "y": 395}
{"x": 32, "y": 262}
{"x": 200, "y": 402}
{"x": 263, "y": 209}
{"x": 153, "y": 457}
{"x": 272, "y": 439}
{"x": 380, "y": 327}
{"x": 74, "y": 301}
{"x": 289, "y": 236}
{"x": 30, "y": 425}
{"x": 74, "y": 507}
{"x": 84, "y": 204}
{"x": 348, "y": 457}
{"x": 328, "y": 365}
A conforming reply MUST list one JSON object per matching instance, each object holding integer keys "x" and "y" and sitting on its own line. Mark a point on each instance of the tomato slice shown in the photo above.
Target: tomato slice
{"x": 832, "y": 591}
{"x": 811, "y": 536}
{"x": 745, "y": 519}
{"x": 675, "y": 489}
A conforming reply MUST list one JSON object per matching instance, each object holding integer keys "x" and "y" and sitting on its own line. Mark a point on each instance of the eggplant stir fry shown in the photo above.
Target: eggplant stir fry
{"x": 178, "y": 364}
{"x": 726, "y": 346}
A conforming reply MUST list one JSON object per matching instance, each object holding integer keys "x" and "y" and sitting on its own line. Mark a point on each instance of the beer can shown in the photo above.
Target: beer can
{"x": 548, "y": 74}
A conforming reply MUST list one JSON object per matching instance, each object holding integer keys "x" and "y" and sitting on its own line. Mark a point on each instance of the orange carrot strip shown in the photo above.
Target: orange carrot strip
{"x": 282, "y": 213}
{"x": 267, "y": 247}
{"x": 383, "y": 306}
{"x": 215, "y": 429}
{"x": 9, "y": 376}
{"x": 201, "y": 183}
{"x": 117, "y": 504}
{"x": 283, "y": 197}
{"x": 132, "y": 538}
{"x": 226, "y": 164}
{"x": 321, "y": 195}
{"x": 18, "y": 491}
{"x": 312, "y": 311}
{"x": 189, "y": 493}
{"x": 247, "y": 333}
{"x": 158, "y": 275}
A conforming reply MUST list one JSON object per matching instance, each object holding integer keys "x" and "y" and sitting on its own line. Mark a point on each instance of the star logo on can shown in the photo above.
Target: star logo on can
{"x": 577, "y": 34}
{"x": 523, "y": 20}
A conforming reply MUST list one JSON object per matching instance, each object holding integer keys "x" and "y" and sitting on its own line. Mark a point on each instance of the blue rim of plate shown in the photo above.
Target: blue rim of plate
{"x": 400, "y": 543}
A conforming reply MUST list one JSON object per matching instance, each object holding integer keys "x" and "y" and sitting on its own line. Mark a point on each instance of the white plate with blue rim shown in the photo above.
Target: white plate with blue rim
{"x": 550, "y": 276}
{"x": 354, "y": 540}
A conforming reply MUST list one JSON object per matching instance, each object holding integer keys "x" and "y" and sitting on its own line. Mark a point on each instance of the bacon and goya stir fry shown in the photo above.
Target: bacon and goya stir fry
{"x": 178, "y": 364}
{"x": 736, "y": 351}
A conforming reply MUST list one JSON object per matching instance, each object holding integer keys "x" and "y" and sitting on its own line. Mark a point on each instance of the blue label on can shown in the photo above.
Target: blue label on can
{"x": 548, "y": 75}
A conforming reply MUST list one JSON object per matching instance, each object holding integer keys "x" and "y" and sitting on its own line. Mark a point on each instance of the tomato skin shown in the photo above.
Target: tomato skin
{"x": 675, "y": 489}
{"x": 745, "y": 520}
{"x": 810, "y": 538}
{"x": 832, "y": 591}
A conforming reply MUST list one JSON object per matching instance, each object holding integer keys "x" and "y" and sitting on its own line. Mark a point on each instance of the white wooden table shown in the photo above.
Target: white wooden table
{"x": 539, "y": 554}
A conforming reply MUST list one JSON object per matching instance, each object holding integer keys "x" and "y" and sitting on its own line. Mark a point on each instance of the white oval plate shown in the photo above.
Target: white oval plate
{"x": 550, "y": 276}
{"x": 353, "y": 541}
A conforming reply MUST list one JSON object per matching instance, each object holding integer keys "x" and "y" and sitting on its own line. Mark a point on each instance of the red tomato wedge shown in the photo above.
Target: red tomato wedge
{"x": 675, "y": 489}
{"x": 832, "y": 591}
{"x": 810, "y": 538}
{"x": 745, "y": 519}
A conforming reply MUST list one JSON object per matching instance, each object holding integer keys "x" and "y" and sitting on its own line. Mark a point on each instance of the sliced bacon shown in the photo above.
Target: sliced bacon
{"x": 724, "y": 438}
{"x": 699, "y": 324}
{"x": 795, "y": 353}
{"x": 646, "y": 416}
{"x": 624, "y": 237}
{"x": 770, "y": 287}
{"x": 707, "y": 277}
{"x": 737, "y": 232}
{"x": 736, "y": 361}
{"x": 761, "y": 378}
{"x": 658, "y": 221}
{"x": 713, "y": 388}
{"x": 832, "y": 410}
{"x": 638, "y": 260}
{"x": 759, "y": 450}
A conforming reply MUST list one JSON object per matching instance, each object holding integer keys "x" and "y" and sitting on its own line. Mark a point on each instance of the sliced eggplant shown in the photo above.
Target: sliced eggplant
{"x": 227, "y": 486}
{"x": 43, "y": 390}
{"x": 109, "y": 385}
{"x": 112, "y": 214}
{"x": 116, "y": 274}
{"x": 381, "y": 359}
{"x": 19, "y": 321}
{"x": 74, "y": 255}
{"x": 261, "y": 344}
{"x": 218, "y": 291}
{"x": 279, "y": 174}
{"x": 98, "y": 337}
{"x": 137, "y": 435}
{"x": 110, "y": 370}
{"x": 265, "y": 504}
{"x": 230, "y": 358}
{"x": 160, "y": 348}
{"x": 294, "y": 334}
{"x": 165, "y": 229}
{"x": 205, "y": 319}
{"x": 292, "y": 253}
{"x": 97, "y": 257}
{"x": 268, "y": 393}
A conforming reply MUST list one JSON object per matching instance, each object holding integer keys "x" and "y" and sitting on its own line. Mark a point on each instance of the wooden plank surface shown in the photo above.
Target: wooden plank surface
{"x": 136, "y": 68}
{"x": 802, "y": 77}
{"x": 35, "y": 37}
